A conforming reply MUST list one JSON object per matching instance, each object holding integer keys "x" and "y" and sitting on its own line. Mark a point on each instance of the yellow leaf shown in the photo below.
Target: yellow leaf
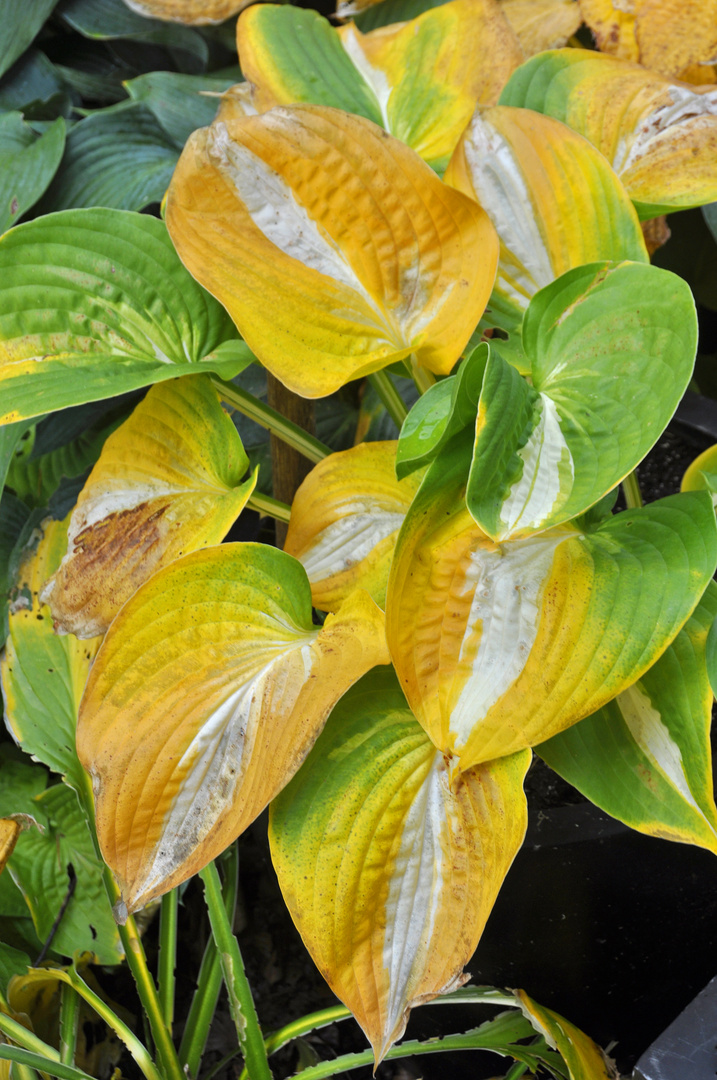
{"x": 582, "y": 1056}
{"x": 388, "y": 867}
{"x": 210, "y": 688}
{"x": 166, "y": 483}
{"x": 334, "y": 248}
{"x": 191, "y": 12}
{"x": 344, "y": 521}
{"x": 9, "y": 832}
{"x": 542, "y": 24}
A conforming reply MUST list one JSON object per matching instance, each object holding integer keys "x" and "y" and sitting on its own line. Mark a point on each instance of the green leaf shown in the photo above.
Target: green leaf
{"x": 119, "y": 157}
{"x": 393, "y": 11}
{"x": 103, "y": 20}
{"x": 14, "y": 516}
{"x": 645, "y": 757}
{"x": 18, "y": 27}
{"x": 612, "y": 348}
{"x": 31, "y": 80}
{"x": 36, "y": 478}
{"x": 180, "y": 103}
{"x": 29, "y": 164}
{"x": 12, "y": 962}
{"x": 10, "y": 436}
{"x": 39, "y": 865}
{"x": 95, "y": 303}
{"x": 444, "y": 410}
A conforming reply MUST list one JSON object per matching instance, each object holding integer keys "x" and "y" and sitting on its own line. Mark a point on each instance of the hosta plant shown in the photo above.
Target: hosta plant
{"x": 447, "y": 602}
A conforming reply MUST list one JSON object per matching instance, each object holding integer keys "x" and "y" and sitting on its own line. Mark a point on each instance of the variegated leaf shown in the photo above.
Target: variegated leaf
{"x": 542, "y": 24}
{"x": 659, "y": 136}
{"x": 208, "y": 692}
{"x": 335, "y": 249}
{"x": 43, "y": 675}
{"x": 548, "y": 449}
{"x": 420, "y": 79}
{"x": 552, "y": 197}
{"x": 190, "y": 12}
{"x": 167, "y": 482}
{"x": 94, "y": 303}
{"x": 645, "y": 757}
{"x": 345, "y": 519}
{"x": 584, "y": 1059}
{"x": 388, "y": 866}
{"x": 701, "y": 475}
{"x": 501, "y": 646}
{"x": 672, "y": 37}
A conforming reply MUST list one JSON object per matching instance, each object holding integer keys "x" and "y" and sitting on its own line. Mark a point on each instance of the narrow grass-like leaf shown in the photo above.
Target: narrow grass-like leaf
{"x": 344, "y": 522}
{"x": 582, "y": 1056}
{"x": 326, "y": 289}
{"x": 94, "y": 303}
{"x": 167, "y": 482}
{"x": 500, "y": 646}
{"x": 209, "y": 690}
{"x": 388, "y": 867}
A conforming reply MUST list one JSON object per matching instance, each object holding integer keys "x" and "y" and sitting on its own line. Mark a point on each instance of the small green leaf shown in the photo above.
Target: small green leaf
{"x": 40, "y": 866}
{"x": 119, "y": 157}
{"x": 31, "y": 80}
{"x": 19, "y": 24}
{"x": 29, "y": 163}
{"x": 95, "y": 303}
{"x": 180, "y": 103}
{"x": 12, "y": 962}
{"x": 443, "y": 411}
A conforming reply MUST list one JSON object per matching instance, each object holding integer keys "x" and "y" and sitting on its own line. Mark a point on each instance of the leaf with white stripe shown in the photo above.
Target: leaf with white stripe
{"x": 645, "y": 757}
{"x": 552, "y": 197}
{"x": 501, "y": 646}
{"x": 94, "y": 303}
{"x": 659, "y": 136}
{"x": 420, "y": 79}
{"x": 167, "y": 482}
{"x": 335, "y": 249}
{"x": 611, "y": 348}
{"x": 344, "y": 522}
{"x": 206, "y": 695}
{"x": 389, "y": 866}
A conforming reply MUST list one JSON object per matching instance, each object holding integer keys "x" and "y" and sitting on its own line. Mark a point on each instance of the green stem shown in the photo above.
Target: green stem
{"x": 272, "y": 420}
{"x": 241, "y": 1003}
{"x": 135, "y": 956}
{"x": 517, "y": 1071}
{"x": 631, "y": 491}
{"x": 137, "y": 1049}
{"x": 266, "y": 505}
{"x": 167, "y": 955}
{"x": 393, "y": 403}
{"x": 209, "y": 981}
{"x": 422, "y": 377}
{"x": 69, "y": 1022}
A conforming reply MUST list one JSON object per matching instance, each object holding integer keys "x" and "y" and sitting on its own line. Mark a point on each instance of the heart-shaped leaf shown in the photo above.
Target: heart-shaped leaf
{"x": 659, "y": 136}
{"x": 207, "y": 693}
{"x": 335, "y": 249}
{"x": 612, "y": 349}
{"x": 500, "y": 646}
{"x": 552, "y": 197}
{"x": 388, "y": 867}
{"x": 645, "y": 757}
{"x": 344, "y": 522}
{"x": 420, "y": 79}
{"x": 167, "y": 482}
{"x": 95, "y": 303}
